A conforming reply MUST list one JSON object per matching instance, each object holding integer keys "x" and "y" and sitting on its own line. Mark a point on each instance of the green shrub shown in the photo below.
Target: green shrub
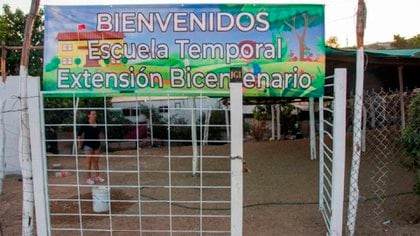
{"x": 411, "y": 140}
{"x": 258, "y": 126}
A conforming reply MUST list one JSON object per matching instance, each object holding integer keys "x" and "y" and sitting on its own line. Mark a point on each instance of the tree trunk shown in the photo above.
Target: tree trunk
{"x": 24, "y": 138}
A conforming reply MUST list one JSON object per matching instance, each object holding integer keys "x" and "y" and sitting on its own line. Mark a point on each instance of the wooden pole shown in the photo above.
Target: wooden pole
{"x": 3, "y": 62}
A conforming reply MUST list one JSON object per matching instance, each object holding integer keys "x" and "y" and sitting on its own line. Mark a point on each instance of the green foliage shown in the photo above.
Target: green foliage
{"x": 217, "y": 119}
{"x": 258, "y": 126}
{"x": 159, "y": 127}
{"x": 180, "y": 132}
{"x": 411, "y": 135}
{"x": 107, "y": 61}
{"x": 77, "y": 61}
{"x": 411, "y": 140}
{"x": 12, "y": 26}
{"x": 53, "y": 64}
{"x": 60, "y": 117}
{"x": 117, "y": 131}
{"x": 260, "y": 113}
{"x": 402, "y": 43}
{"x": 172, "y": 61}
{"x": 246, "y": 128}
{"x": 295, "y": 15}
{"x": 112, "y": 117}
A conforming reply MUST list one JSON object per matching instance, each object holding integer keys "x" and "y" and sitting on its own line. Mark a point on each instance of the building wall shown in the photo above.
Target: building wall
{"x": 9, "y": 91}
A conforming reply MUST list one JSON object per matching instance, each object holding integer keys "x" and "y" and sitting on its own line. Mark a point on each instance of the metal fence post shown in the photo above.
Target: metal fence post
{"x": 339, "y": 151}
{"x": 236, "y": 158}
{"x": 37, "y": 150}
{"x": 357, "y": 146}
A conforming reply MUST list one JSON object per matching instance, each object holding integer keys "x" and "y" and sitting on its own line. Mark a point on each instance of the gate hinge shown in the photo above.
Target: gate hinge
{"x": 236, "y": 157}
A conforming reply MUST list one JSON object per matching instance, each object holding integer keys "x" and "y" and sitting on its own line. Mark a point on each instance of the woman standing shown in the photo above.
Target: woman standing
{"x": 91, "y": 145}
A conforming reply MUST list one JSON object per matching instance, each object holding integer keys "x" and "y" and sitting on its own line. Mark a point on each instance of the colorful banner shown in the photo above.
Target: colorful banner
{"x": 277, "y": 50}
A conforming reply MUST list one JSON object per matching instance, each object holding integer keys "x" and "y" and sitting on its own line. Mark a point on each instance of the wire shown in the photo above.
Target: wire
{"x": 281, "y": 203}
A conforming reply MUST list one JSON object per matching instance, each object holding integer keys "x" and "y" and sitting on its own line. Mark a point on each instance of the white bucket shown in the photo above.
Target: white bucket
{"x": 100, "y": 196}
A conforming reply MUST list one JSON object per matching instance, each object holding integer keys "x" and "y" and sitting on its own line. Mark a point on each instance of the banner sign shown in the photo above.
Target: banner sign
{"x": 277, "y": 50}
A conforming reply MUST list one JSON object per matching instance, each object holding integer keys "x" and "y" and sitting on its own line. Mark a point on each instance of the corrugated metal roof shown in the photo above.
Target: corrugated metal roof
{"x": 398, "y": 52}
{"x": 407, "y": 53}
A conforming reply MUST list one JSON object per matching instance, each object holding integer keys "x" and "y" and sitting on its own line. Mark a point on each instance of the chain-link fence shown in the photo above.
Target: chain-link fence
{"x": 387, "y": 202}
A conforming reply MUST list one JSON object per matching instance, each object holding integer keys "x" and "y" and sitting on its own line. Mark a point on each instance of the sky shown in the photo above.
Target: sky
{"x": 384, "y": 18}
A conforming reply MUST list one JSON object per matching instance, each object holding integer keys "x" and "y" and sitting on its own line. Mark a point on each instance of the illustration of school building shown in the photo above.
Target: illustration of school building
{"x": 73, "y": 48}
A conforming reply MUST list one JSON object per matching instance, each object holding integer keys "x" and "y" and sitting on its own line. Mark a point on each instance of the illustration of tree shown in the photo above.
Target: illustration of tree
{"x": 107, "y": 61}
{"x": 77, "y": 61}
{"x": 53, "y": 64}
{"x": 297, "y": 19}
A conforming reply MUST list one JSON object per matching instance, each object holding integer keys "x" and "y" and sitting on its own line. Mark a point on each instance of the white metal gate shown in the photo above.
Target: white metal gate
{"x": 332, "y": 146}
{"x": 170, "y": 189}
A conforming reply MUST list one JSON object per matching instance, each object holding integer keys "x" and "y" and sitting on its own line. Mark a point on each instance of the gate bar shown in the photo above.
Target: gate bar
{"x": 339, "y": 150}
{"x": 38, "y": 160}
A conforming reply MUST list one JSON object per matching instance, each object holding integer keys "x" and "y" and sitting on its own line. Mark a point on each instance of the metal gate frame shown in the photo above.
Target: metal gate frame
{"x": 332, "y": 153}
{"x": 38, "y": 149}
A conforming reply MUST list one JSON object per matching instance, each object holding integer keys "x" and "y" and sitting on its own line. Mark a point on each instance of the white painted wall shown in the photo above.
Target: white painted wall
{"x": 9, "y": 92}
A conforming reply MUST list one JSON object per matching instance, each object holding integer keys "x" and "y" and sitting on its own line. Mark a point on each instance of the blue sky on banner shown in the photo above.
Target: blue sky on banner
{"x": 385, "y": 18}
{"x": 67, "y": 19}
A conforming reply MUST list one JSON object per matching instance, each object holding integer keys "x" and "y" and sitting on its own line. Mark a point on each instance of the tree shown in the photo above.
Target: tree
{"x": 333, "y": 42}
{"x": 258, "y": 127}
{"x": 402, "y": 43}
{"x": 414, "y": 42}
{"x": 12, "y": 33}
{"x": 399, "y": 42}
{"x": 77, "y": 61}
{"x": 411, "y": 141}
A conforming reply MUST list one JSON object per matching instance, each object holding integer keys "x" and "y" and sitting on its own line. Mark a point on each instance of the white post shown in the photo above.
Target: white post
{"x": 321, "y": 152}
{"x": 194, "y": 139}
{"x": 236, "y": 159}
{"x": 312, "y": 128}
{"x": 357, "y": 143}
{"x": 2, "y": 144}
{"x": 339, "y": 151}
{"x": 278, "y": 116}
{"x": 74, "y": 149}
{"x": 38, "y": 157}
{"x": 25, "y": 157}
{"x": 273, "y": 135}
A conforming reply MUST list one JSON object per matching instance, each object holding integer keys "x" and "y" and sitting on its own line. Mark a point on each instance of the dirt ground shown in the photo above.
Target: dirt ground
{"x": 280, "y": 192}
